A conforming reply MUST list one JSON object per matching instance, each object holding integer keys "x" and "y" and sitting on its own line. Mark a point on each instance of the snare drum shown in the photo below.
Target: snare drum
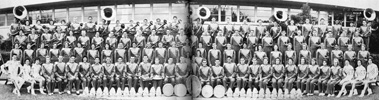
{"x": 219, "y": 91}
{"x": 168, "y": 89}
{"x": 180, "y": 90}
{"x": 207, "y": 91}
{"x": 195, "y": 86}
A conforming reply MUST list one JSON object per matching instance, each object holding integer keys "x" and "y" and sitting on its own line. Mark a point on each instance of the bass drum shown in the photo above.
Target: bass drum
{"x": 180, "y": 90}
{"x": 193, "y": 85}
{"x": 219, "y": 91}
{"x": 168, "y": 89}
{"x": 207, "y": 91}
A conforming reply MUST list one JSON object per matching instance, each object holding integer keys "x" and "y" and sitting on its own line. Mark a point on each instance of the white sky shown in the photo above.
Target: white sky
{"x": 363, "y": 4}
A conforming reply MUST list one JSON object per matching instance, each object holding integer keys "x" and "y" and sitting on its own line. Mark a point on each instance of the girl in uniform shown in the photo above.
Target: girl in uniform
{"x": 290, "y": 75}
{"x": 302, "y": 75}
{"x": 335, "y": 77}
{"x": 278, "y": 74}
{"x": 324, "y": 78}
{"x": 85, "y": 72}
{"x": 266, "y": 74}
{"x": 157, "y": 71}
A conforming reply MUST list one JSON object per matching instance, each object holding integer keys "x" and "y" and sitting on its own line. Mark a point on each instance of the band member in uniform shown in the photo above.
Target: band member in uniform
{"x": 245, "y": 53}
{"x": 229, "y": 52}
{"x": 252, "y": 41}
{"x": 98, "y": 41}
{"x": 363, "y": 55}
{"x": 135, "y": 52}
{"x": 313, "y": 76}
{"x": 10, "y": 69}
{"x": 278, "y": 73}
{"x": 186, "y": 51}
{"x": 351, "y": 56}
{"x": 120, "y": 52}
{"x": 168, "y": 38}
{"x": 96, "y": 73}
{"x": 194, "y": 42}
{"x": 205, "y": 73}
{"x": 54, "y": 53}
{"x": 336, "y": 54}
{"x": 161, "y": 53}
{"x": 242, "y": 73}
{"x": 220, "y": 41}
{"x": 109, "y": 73}
{"x": 92, "y": 54}
{"x": 119, "y": 73}
{"x": 228, "y": 29}
{"x": 347, "y": 75}
{"x": 255, "y": 74}
{"x": 213, "y": 27}
{"x": 366, "y": 33}
{"x": 17, "y": 51}
{"x": 131, "y": 73}
{"x": 41, "y": 53}
{"x": 66, "y": 52}
{"x": 261, "y": 29}
{"x": 217, "y": 74}
{"x": 330, "y": 42}
{"x": 21, "y": 39}
{"x": 181, "y": 38}
{"x": 36, "y": 75}
{"x": 79, "y": 52}
{"x": 357, "y": 42}
{"x": 85, "y": 72}
{"x": 46, "y": 38}
{"x": 117, "y": 29}
{"x": 107, "y": 52}
{"x": 267, "y": 43}
{"x": 28, "y": 54}
{"x": 33, "y": 38}
{"x": 157, "y": 71}
{"x": 75, "y": 27}
{"x": 90, "y": 27}
{"x": 173, "y": 52}
{"x": 60, "y": 74}
{"x": 125, "y": 40}
{"x": 72, "y": 74}
{"x": 290, "y": 74}
{"x": 324, "y": 77}
{"x": 169, "y": 70}
{"x": 236, "y": 41}
{"x": 198, "y": 27}
{"x": 84, "y": 39}
{"x": 148, "y": 51}
{"x": 322, "y": 54}
{"x": 266, "y": 74}
{"x": 111, "y": 40}
{"x": 371, "y": 77}
{"x": 302, "y": 75}
{"x": 335, "y": 77}
{"x": 276, "y": 55}
{"x": 292, "y": 29}
{"x": 213, "y": 55}
{"x": 343, "y": 41}
{"x": 71, "y": 39}
{"x": 314, "y": 43}
{"x": 290, "y": 54}
{"x": 153, "y": 39}
{"x": 48, "y": 74}
{"x": 131, "y": 29}
{"x": 283, "y": 42}
{"x": 25, "y": 74}
{"x": 202, "y": 51}
{"x": 230, "y": 73}
{"x": 145, "y": 68}
{"x": 260, "y": 55}
{"x": 182, "y": 70}
{"x": 59, "y": 37}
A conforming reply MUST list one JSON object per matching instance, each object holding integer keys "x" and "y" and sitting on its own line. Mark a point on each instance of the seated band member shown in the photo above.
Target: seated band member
{"x": 96, "y": 73}
{"x": 21, "y": 39}
{"x": 314, "y": 72}
{"x": 109, "y": 73}
{"x": 229, "y": 52}
{"x": 46, "y": 38}
{"x": 242, "y": 73}
{"x": 357, "y": 41}
{"x": 347, "y": 77}
{"x": 343, "y": 41}
{"x": 322, "y": 55}
{"x": 148, "y": 51}
{"x": 168, "y": 38}
{"x": 36, "y": 75}
{"x": 351, "y": 56}
{"x": 252, "y": 40}
{"x": 98, "y": 41}
{"x": 157, "y": 71}
{"x": 131, "y": 72}
{"x": 290, "y": 74}
{"x": 302, "y": 75}
{"x": 278, "y": 74}
{"x": 139, "y": 39}
{"x": 335, "y": 77}
{"x": 10, "y": 69}
{"x": 144, "y": 74}
{"x": 206, "y": 41}
{"x": 217, "y": 74}
{"x": 107, "y": 52}
{"x": 28, "y": 53}
{"x": 120, "y": 76}
{"x": 330, "y": 41}
{"x": 230, "y": 73}
{"x": 213, "y": 55}
{"x": 181, "y": 71}
{"x": 135, "y": 52}
{"x": 298, "y": 41}
{"x": 290, "y": 54}
{"x": 71, "y": 39}
{"x": 125, "y": 40}
{"x": 371, "y": 77}
{"x": 324, "y": 78}
{"x": 33, "y": 38}
{"x": 60, "y": 73}
{"x": 48, "y": 74}
{"x": 283, "y": 42}
{"x": 154, "y": 39}
{"x": 266, "y": 74}
{"x": 84, "y": 39}
{"x": 255, "y": 74}
{"x": 161, "y": 53}
{"x": 181, "y": 39}
{"x": 220, "y": 41}
{"x": 276, "y": 54}
{"x": 66, "y": 52}
{"x": 25, "y": 74}
{"x": 120, "y": 52}
{"x": 267, "y": 43}
{"x": 92, "y": 54}
{"x": 260, "y": 55}
{"x": 245, "y": 53}
{"x": 306, "y": 54}
{"x": 173, "y": 52}
{"x": 205, "y": 73}
{"x": 314, "y": 43}
{"x": 111, "y": 40}
{"x": 336, "y": 54}
{"x": 72, "y": 74}
{"x": 79, "y": 52}
{"x": 85, "y": 72}
{"x": 17, "y": 51}
{"x": 363, "y": 55}
{"x": 54, "y": 53}
{"x": 59, "y": 37}
{"x": 360, "y": 75}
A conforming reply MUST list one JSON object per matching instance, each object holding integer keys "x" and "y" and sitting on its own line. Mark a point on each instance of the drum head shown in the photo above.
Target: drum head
{"x": 195, "y": 86}
{"x": 188, "y": 83}
{"x": 180, "y": 90}
{"x": 168, "y": 89}
{"x": 207, "y": 91}
{"x": 219, "y": 91}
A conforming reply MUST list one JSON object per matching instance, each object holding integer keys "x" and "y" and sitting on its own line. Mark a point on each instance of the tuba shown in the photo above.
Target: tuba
{"x": 108, "y": 13}
{"x": 20, "y": 12}
{"x": 203, "y": 12}
{"x": 369, "y": 14}
{"x": 280, "y": 15}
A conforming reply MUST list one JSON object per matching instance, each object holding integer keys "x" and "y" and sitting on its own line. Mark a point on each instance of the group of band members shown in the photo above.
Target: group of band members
{"x": 253, "y": 56}
{"x": 64, "y": 56}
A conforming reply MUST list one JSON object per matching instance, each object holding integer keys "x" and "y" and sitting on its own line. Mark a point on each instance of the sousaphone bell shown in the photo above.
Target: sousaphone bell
{"x": 20, "y": 12}
{"x": 369, "y": 14}
{"x": 280, "y": 15}
{"x": 108, "y": 13}
{"x": 203, "y": 12}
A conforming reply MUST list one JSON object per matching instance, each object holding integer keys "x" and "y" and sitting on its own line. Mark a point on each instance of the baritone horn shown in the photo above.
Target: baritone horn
{"x": 20, "y": 12}
{"x": 108, "y": 13}
{"x": 280, "y": 15}
{"x": 203, "y": 12}
{"x": 369, "y": 14}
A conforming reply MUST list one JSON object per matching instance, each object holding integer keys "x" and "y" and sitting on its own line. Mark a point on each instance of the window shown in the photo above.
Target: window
{"x": 324, "y": 15}
{"x": 142, "y": 11}
{"x": 34, "y": 16}
{"x": 2, "y": 19}
{"x": 60, "y": 14}
{"x": 213, "y": 9}
{"x": 113, "y": 21}
{"x": 161, "y": 11}
{"x": 247, "y": 12}
{"x": 75, "y": 14}
{"x": 229, "y": 11}
{"x": 264, "y": 13}
{"x": 295, "y": 11}
{"x": 180, "y": 11}
{"x": 124, "y": 13}
{"x": 46, "y": 16}
{"x": 90, "y": 11}
{"x": 10, "y": 19}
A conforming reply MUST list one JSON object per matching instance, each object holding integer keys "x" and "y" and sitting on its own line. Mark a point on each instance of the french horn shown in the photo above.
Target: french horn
{"x": 369, "y": 14}
{"x": 108, "y": 13}
{"x": 20, "y": 12}
{"x": 280, "y": 15}
{"x": 203, "y": 12}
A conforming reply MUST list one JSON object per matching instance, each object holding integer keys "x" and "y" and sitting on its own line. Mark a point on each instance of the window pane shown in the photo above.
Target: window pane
{"x": 264, "y": 13}
{"x": 75, "y": 13}
{"x": 179, "y": 8}
{"x": 140, "y": 18}
{"x": 247, "y": 12}
{"x": 161, "y": 10}
{"x": 10, "y": 19}
{"x": 214, "y": 12}
{"x": 2, "y": 19}
{"x": 90, "y": 11}
{"x": 161, "y": 5}
{"x": 34, "y": 16}
{"x": 142, "y": 10}
{"x": 60, "y": 14}
{"x": 124, "y": 13}
{"x": 229, "y": 11}
{"x": 46, "y": 15}
{"x": 294, "y": 11}
{"x": 142, "y": 5}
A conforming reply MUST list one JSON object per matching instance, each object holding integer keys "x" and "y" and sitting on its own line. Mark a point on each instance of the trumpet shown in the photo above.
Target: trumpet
{"x": 135, "y": 26}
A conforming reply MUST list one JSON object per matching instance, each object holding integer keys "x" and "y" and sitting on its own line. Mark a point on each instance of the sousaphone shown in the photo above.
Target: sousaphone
{"x": 280, "y": 15}
{"x": 20, "y": 12}
{"x": 369, "y": 14}
{"x": 203, "y": 12}
{"x": 108, "y": 13}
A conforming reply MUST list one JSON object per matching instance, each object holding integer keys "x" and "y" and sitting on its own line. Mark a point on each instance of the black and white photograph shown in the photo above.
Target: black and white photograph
{"x": 189, "y": 50}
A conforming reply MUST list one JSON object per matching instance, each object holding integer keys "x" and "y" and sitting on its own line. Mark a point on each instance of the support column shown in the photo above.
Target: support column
{"x": 344, "y": 19}
{"x": 219, "y": 13}
{"x": 255, "y": 13}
